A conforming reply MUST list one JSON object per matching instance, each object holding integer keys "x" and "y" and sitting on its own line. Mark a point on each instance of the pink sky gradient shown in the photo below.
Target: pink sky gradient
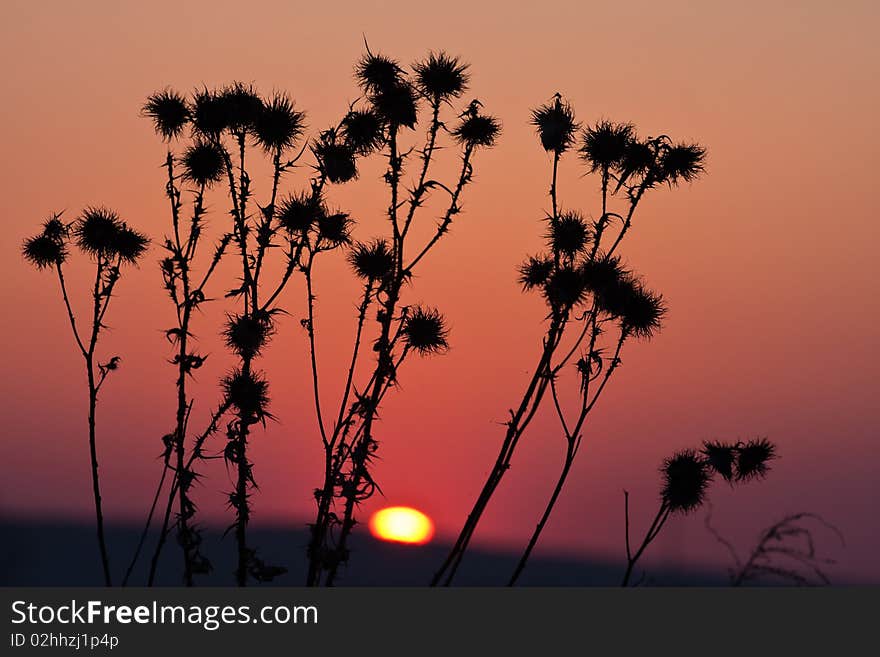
{"x": 768, "y": 263}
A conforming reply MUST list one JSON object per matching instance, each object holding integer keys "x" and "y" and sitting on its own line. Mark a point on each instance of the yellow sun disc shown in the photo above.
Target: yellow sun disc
{"x": 402, "y": 524}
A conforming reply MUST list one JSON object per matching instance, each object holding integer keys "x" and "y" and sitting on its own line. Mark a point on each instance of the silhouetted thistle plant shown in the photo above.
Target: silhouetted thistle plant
{"x": 110, "y": 244}
{"x": 393, "y": 103}
{"x": 686, "y": 476}
{"x": 785, "y": 552}
{"x": 588, "y": 291}
{"x": 228, "y": 128}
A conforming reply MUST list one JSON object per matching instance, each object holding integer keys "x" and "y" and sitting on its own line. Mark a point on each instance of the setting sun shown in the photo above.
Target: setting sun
{"x": 402, "y": 524}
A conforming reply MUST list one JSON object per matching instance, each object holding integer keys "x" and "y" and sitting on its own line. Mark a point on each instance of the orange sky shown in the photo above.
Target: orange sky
{"x": 768, "y": 263}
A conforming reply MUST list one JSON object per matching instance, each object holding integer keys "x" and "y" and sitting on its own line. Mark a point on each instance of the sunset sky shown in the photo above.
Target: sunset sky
{"x": 768, "y": 264}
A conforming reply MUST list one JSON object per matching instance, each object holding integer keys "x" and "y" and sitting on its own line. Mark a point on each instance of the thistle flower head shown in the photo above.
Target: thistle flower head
{"x": 477, "y": 129}
{"x": 299, "y": 212}
{"x": 204, "y": 163}
{"x": 246, "y": 335}
{"x": 604, "y": 144}
{"x": 639, "y": 158}
{"x": 277, "y": 125}
{"x": 169, "y": 113}
{"x": 424, "y": 330}
{"x": 569, "y": 234}
{"x": 682, "y": 162}
{"x": 248, "y": 392}
{"x": 56, "y": 229}
{"x": 210, "y": 115}
{"x": 373, "y": 261}
{"x": 685, "y": 478}
{"x": 720, "y": 457}
{"x": 641, "y": 309}
{"x": 602, "y": 277}
{"x": 397, "y": 104}
{"x": 100, "y": 233}
{"x": 336, "y": 159}
{"x": 555, "y": 124}
{"x": 363, "y": 131}
{"x": 441, "y": 77}
{"x": 334, "y": 229}
{"x": 376, "y": 73}
{"x": 242, "y": 105}
{"x": 535, "y": 271}
{"x": 46, "y": 249}
{"x": 753, "y": 459}
{"x": 565, "y": 287}
{"x": 130, "y": 244}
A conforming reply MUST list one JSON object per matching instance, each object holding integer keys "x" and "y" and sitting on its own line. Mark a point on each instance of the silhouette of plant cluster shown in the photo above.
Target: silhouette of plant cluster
{"x": 394, "y": 104}
{"x": 588, "y": 291}
{"x": 786, "y": 552}
{"x": 686, "y": 476}
{"x": 109, "y": 244}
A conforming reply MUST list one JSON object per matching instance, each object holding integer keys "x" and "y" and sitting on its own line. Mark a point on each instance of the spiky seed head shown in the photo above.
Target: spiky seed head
{"x": 334, "y": 229}
{"x": 204, "y": 163}
{"x": 477, "y": 130}
{"x": 424, "y": 330}
{"x": 602, "y": 277}
{"x": 565, "y": 287}
{"x": 298, "y": 212}
{"x": 604, "y": 144}
{"x": 56, "y": 229}
{"x": 130, "y": 244}
{"x": 682, "y": 162}
{"x": 97, "y": 230}
{"x": 376, "y": 73}
{"x": 642, "y": 310}
{"x": 373, "y": 261}
{"x": 397, "y": 104}
{"x": 638, "y": 159}
{"x": 44, "y": 251}
{"x": 169, "y": 113}
{"x": 720, "y": 457}
{"x": 210, "y": 113}
{"x": 246, "y": 335}
{"x": 248, "y": 392}
{"x": 336, "y": 159}
{"x": 569, "y": 234}
{"x": 440, "y": 77}
{"x": 753, "y": 459}
{"x": 363, "y": 131}
{"x": 278, "y": 126}
{"x": 685, "y": 478}
{"x": 535, "y": 271}
{"x": 556, "y": 125}
{"x": 243, "y": 106}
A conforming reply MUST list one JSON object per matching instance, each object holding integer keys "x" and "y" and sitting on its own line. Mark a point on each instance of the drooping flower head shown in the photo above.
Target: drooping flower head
{"x": 682, "y": 162}
{"x": 334, "y": 229}
{"x": 720, "y": 457}
{"x": 565, "y": 287}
